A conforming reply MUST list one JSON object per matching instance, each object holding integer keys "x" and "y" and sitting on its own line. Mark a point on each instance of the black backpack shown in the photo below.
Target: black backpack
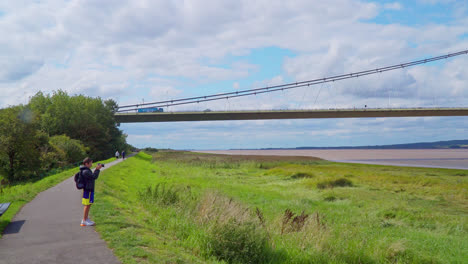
{"x": 79, "y": 181}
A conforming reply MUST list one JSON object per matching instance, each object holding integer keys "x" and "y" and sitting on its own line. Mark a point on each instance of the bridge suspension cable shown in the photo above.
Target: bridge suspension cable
{"x": 268, "y": 89}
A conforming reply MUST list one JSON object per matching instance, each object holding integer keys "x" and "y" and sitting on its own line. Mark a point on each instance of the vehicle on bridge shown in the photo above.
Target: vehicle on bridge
{"x": 150, "y": 110}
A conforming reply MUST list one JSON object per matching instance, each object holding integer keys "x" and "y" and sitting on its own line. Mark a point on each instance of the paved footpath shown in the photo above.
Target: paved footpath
{"x": 47, "y": 230}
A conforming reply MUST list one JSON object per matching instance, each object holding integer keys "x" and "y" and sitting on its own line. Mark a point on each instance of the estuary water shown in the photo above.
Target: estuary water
{"x": 433, "y": 158}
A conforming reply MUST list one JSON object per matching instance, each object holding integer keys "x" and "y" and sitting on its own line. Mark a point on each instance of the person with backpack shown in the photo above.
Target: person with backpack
{"x": 117, "y": 154}
{"x": 86, "y": 181}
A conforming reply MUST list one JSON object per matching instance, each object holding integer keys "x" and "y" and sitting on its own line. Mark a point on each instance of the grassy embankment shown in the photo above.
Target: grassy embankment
{"x": 21, "y": 193}
{"x": 179, "y": 207}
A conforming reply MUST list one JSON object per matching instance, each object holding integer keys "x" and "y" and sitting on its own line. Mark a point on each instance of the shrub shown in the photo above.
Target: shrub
{"x": 67, "y": 149}
{"x": 236, "y": 242}
{"x": 149, "y": 149}
{"x": 342, "y": 182}
{"x": 300, "y": 175}
{"x": 267, "y": 166}
{"x": 233, "y": 233}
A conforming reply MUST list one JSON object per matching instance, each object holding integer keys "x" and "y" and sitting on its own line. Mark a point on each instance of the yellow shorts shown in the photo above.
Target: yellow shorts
{"x": 88, "y": 198}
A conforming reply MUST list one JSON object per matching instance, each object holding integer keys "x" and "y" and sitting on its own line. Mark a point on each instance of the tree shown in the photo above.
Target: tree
{"x": 69, "y": 151}
{"x": 20, "y": 143}
{"x": 56, "y": 130}
{"x": 89, "y": 120}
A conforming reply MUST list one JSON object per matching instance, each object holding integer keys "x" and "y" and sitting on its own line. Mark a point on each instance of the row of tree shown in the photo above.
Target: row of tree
{"x": 54, "y": 131}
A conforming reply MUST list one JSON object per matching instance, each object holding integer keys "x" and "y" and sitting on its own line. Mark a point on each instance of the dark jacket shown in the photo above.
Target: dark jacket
{"x": 89, "y": 177}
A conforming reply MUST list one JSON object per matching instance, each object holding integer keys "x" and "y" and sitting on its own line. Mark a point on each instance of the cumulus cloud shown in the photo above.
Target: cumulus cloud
{"x": 130, "y": 50}
{"x": 89, "y": 40}
{"x": 14, "y": 69}
{"x": 393, "y": 6}
{"x": 159, "y": 93}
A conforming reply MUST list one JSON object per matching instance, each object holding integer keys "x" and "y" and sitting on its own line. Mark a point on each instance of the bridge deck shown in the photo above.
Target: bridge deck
{"x": 285, "y": 114}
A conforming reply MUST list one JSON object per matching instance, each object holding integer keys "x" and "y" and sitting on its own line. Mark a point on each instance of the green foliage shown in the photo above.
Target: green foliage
{"x": 20, "y": 143}
{"x": 236, "y": 242}
{"x": 395, "y": 215}
{"x": 342, "y": 182}
{"x": 89, "y": 120}
{"x": 150, "y": 150}
{"x": 300, "y": 175}
{"x": 144, "y": 156}
{"x": 161, "y": 195}
{"x": 55, "y": 131}
{"x": 69, "y": 150}
{"x": 232, "y": 235}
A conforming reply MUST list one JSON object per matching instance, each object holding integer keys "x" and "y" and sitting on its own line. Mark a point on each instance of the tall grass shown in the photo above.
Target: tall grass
{"x": 231, "y": 233}
{"x": 160, "y": 195}
{"x": 190, "y": 208}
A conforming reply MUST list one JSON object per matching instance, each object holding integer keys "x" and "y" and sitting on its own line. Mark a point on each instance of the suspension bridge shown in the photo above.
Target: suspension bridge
{"x": 153, "y": 111}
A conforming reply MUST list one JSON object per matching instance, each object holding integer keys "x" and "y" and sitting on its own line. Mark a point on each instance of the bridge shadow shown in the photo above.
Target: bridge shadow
{"x": 14, "y": 227}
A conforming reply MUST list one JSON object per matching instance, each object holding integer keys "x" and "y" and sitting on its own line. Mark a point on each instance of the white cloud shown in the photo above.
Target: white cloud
{"x": 159, "y": 93}
{"x": 14, "y": 69}
{"x": 170, "y": 39}
{"x": 129, "y": 50}
{"x": 393, "y": 6}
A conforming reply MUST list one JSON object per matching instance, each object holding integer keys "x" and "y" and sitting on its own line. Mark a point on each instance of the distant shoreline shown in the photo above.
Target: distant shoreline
{"x": 434, "y": 158}
{"x": 448, "y": 144}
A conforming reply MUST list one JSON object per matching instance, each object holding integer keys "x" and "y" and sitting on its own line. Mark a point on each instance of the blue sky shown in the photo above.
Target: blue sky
{"x": 414, "y": 13}
{"x": 135, "y": 51}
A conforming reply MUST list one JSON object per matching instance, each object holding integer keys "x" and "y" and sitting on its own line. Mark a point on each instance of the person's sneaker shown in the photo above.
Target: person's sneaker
{"x": 87, "y": 223}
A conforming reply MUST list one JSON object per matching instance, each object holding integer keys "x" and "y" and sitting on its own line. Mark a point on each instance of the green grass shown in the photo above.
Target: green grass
{"x": 179, "y": 207}
{"x": 21, "y": 193}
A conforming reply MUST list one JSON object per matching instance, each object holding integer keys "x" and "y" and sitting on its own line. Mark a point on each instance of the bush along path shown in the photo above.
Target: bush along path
{"x": 47, "y": 230}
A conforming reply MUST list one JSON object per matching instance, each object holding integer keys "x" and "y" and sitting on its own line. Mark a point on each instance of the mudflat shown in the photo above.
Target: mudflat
{"x": 437, "y": 158}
